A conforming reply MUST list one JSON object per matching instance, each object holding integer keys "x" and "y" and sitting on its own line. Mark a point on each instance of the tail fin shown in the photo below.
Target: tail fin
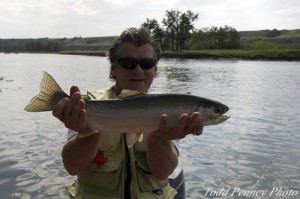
{"x": 50, "y": 94}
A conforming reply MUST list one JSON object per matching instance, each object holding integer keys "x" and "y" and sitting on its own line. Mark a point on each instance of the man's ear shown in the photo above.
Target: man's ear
{"x": 156, "y": 72}
{"x": 113, "y": 70}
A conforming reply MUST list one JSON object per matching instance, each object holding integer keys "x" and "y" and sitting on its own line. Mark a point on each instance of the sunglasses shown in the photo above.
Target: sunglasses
{"x": 130, "y": 63}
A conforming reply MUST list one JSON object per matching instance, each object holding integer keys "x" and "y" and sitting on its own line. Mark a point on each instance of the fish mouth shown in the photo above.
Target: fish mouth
{"x": 213, "y": 115}
{"x": 225, "y": 117}
{"x": 219, "y": 119}
{"x": 222, "y": 115}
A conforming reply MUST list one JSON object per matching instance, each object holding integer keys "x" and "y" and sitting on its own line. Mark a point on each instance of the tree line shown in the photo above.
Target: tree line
{"x": 175, "y": 32}
{"x": 214, "y": 38}
{"x": 31, "y": 45}
{"x": 178, "y": 32}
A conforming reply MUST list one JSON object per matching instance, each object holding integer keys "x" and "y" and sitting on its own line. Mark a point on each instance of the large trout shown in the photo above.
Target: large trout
{"x": 132, "y": 112}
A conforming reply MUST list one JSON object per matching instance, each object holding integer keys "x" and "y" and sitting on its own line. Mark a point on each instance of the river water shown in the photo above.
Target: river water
{"x": 255, "y": 154}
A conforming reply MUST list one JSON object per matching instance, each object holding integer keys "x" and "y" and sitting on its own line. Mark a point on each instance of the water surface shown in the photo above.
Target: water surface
{"x": 256, "y": 150}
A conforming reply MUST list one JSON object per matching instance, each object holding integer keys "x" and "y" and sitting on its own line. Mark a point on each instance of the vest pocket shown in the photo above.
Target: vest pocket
{"x": 166, "y": 192}
{"x": 150, "y": 187}
{"x": 108, "y": 176}
{"x": 147, "y": 182}
{"x": 105, "y": 179}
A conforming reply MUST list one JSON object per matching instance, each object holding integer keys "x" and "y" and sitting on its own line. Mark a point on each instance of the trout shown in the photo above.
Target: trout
{"x": 133, "y": 112}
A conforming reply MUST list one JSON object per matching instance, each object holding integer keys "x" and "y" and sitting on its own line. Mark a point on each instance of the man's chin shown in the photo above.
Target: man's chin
{"x": 138, "y": 86}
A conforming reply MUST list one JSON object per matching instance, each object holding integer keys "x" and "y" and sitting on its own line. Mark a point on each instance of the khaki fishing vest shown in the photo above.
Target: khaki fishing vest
{"x": 108, "y": 181}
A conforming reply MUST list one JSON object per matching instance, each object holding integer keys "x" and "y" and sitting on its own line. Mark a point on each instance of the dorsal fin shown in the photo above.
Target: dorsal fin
{"x": 85, "y": 97}
{"x": 129, "y": 93}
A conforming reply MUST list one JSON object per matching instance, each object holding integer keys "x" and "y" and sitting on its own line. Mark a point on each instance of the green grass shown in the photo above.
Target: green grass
{"x": 100, "y": 41}
{"x": 275, "y": 54}
{"x": 89, "y": 53}
{"x": 250, "y": 35}
{"x": 261, "y": 34}
{"x": 291, "y": 34}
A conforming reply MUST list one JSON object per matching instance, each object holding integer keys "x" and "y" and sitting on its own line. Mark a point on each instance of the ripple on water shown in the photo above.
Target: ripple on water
{"x": 26, "y": 179}
{"x": 258, "y": 147}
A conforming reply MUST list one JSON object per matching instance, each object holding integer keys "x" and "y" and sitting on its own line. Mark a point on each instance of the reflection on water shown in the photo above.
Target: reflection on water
{"x": 257, "y": 149}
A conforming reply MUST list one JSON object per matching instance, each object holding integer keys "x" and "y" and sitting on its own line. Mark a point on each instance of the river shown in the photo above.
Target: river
{"x": 255, "y": 154}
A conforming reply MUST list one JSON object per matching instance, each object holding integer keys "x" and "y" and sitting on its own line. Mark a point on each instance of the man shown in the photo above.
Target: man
{"x": 104, "y": 166}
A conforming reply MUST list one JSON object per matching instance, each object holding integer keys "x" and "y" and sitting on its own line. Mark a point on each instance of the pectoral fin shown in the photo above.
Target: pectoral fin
{"x": 132, "y": 138}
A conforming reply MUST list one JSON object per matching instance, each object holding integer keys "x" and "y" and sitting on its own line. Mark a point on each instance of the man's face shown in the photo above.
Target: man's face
{"x": 137, "y": 78}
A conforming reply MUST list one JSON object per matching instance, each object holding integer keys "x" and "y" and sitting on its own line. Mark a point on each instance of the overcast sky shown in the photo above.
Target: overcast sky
{"x": 89, "y": 18}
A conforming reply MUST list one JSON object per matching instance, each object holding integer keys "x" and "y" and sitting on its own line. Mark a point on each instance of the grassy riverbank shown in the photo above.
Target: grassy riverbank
{"x": 81, "y": 52}
{"x": 276, "y": 54}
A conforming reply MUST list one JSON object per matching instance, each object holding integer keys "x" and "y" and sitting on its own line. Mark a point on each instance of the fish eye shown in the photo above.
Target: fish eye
{"x": 219, "y": 110}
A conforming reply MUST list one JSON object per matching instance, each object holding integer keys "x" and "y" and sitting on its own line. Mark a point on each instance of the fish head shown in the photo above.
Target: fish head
{"x": 220, "y": 108}
{"x": 213, "y": 112}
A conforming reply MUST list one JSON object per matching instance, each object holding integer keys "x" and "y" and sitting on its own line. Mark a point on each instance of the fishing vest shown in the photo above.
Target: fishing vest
{"x": 118, "y": 169}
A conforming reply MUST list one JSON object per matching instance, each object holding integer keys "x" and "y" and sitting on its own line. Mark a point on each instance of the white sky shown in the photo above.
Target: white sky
{"x": 89, "y": 18}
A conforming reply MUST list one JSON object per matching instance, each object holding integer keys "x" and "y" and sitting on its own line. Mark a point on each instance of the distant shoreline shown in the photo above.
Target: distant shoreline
{"x": 277, "y": 54}
{"x": 272, "y": 55}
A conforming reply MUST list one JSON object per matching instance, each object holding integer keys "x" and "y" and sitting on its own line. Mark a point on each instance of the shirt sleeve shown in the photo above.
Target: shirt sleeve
{"x": 179, "y": 167}
{"x": 70, "y": 134}
{"x": 176, "y": 143}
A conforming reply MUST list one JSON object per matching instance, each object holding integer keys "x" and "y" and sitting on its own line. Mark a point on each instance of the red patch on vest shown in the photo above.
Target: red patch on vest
{"x": 100, "y": 158}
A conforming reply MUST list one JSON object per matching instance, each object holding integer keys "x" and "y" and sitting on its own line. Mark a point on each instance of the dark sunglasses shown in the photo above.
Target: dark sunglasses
{"x": 130, "y": 63}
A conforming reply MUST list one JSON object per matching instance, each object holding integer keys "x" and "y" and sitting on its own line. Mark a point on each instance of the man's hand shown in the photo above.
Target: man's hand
{"x": 71, "y": 111}
{"x": 185, "y": 125}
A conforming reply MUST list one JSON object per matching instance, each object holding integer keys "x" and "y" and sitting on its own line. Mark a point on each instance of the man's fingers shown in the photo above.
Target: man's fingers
{"x": 163, "y": 122}
{"x": 193, "y": 122}
{"x": 190, "y": 125}
{"x": 82, "y": 119}
{"x": 77, "y": 109}
{"x": 182, "y": 122}
{"x": 199, "y": 127}
{"x": 72, "y": 103}
{"x": 73, "y": 90}
{"x": 59, "y": 108}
